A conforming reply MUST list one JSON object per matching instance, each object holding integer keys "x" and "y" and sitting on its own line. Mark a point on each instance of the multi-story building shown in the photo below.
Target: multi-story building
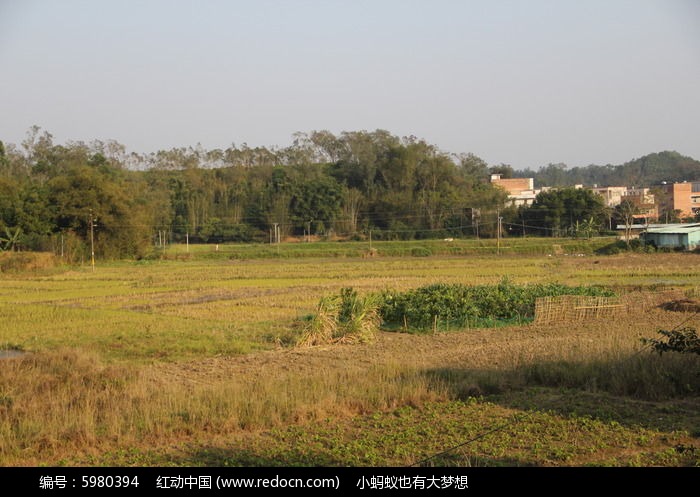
{"x": 611, "y": 194}
{"x": 647, "y": 209}
{"x": 521, "y": 191}
{"x": 683, "y": 197}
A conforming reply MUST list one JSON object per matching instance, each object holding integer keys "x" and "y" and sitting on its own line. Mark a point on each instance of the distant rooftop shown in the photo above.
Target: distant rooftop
{"x": 655, "y": 227}
{"x": 676, "y": 228}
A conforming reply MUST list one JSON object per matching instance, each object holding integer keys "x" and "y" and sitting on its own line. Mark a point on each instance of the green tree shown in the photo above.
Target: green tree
{"x": 9, "y": 201}
{"x": 473, "y": 169}
{"x": 350, "y": 205}
{"x": 557, "y": 212}
{"x": 624, "y": 213}
{"x": 316, "y": 204}
{"x": 123, "y": 224}
{"x": 4, "y": 161}
{"x": 437, "y": 188}
{"x": 554, "y": 175}
{"x": 505, "y": 170}
{"x": 34, "y": 217}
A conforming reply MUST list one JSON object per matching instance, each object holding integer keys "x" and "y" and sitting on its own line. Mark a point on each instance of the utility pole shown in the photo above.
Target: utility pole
{"x": 187, "y": 240}
{"x": 498, "y": 234}
{"x": 92, "y": 240}
{"x": 276, "y": 236}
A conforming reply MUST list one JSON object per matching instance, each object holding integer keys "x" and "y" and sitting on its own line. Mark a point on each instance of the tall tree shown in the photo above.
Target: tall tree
{"x": 624, "y": 213}
{"x": 82, "y": 195}
{"x": 315, "y": 204}
{"x": 556, "y": 212}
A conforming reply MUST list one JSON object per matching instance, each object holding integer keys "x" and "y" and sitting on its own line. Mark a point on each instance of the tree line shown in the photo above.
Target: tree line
{"x": 63, "y": 197}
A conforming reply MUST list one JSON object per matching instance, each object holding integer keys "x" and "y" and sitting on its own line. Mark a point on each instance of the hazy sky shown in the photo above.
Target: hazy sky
{"x": 524, "y": 82}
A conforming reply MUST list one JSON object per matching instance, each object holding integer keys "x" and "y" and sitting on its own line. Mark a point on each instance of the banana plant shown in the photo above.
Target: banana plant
{"x": 10, "y": 240}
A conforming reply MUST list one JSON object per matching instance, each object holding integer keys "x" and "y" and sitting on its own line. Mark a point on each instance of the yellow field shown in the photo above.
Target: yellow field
{"x": 147, "y": 363}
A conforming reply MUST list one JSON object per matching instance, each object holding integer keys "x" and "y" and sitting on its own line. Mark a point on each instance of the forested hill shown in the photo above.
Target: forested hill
{"x": 646, "y": 171}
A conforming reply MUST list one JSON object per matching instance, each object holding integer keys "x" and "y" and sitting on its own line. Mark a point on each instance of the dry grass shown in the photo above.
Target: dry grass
{"x": 15, "y": 262}
{"x": 347, "y": 318}
{"x": 78, "y": 397}
{"x": 71, "y": 406}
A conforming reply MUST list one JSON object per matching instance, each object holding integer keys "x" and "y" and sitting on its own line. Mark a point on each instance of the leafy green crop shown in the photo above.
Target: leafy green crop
{"x": 454, "y": 305}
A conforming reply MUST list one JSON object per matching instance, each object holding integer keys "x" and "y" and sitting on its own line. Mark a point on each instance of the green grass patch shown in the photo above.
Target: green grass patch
{"x": 469, "y": 433}
{"x": 383, "y": 248}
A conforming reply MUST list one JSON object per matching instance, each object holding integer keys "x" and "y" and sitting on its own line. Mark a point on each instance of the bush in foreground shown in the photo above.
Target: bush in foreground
{"x": 684, "y": 340}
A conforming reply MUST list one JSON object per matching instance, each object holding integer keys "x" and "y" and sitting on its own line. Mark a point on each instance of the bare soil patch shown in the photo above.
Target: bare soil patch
{"x": 682, "y": 305}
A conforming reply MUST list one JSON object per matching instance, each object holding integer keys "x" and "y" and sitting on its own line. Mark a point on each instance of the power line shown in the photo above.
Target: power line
{"x": 516, "y": 418}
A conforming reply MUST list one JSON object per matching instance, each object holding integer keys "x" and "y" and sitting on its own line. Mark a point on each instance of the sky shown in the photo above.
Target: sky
{"x": 525, "y": 83}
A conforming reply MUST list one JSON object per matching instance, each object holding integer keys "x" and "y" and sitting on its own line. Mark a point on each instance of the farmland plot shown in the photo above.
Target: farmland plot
{"x": 193, "y": 363}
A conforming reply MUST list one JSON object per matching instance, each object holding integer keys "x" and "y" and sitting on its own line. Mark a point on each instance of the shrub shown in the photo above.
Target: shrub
{"x": 421, "y": 252}
{"x": 684, "y": 340}
{"x": 634, "y": 245}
